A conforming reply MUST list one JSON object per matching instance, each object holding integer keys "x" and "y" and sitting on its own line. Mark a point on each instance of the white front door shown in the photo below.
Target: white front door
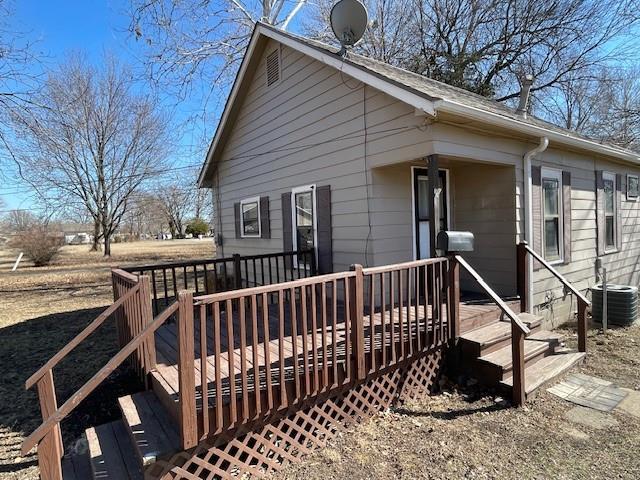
{"x": 421, "y": 212}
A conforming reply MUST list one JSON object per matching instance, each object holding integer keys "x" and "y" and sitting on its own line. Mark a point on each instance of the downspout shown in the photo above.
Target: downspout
{"x": 528, "y": 207}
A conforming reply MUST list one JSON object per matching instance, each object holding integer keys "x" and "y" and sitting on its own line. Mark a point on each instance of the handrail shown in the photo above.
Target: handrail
{"x": 53, "y": 361}
{"x": 557, "y": 274}
{"x": 68, "y": 406}
{"x": 396, "y": 266}
{"x": 242, "y": 292}
{"x": 494, "y": 296}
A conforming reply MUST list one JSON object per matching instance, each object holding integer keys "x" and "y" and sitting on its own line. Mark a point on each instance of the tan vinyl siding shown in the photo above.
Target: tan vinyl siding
{"x": 308, "y": 129}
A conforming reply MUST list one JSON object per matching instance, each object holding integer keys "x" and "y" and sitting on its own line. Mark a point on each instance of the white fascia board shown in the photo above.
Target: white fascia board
{"x": 475, "y": 113}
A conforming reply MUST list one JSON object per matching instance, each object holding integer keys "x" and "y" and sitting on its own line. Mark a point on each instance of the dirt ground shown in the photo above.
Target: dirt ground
{"x": 466, "y": 433}
{"x": 458, "y": 433}
{"x": 41, "y": 309}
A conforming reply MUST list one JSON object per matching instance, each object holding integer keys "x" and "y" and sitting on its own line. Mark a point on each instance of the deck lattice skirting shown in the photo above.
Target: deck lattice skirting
{"x": 288, "y": 437}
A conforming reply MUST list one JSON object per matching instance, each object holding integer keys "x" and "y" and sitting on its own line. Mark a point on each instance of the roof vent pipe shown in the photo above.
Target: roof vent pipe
{"x": 525, "y": 91}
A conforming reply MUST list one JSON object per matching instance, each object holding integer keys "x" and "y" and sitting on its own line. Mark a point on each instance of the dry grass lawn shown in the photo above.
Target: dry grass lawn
{"x": 456, "y": 434}
{"x": 41, "y": 310}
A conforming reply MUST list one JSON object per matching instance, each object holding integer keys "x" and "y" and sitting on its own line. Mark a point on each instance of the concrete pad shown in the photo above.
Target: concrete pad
{"x": 631, "y": 403}
{"x": 590, "y": 418}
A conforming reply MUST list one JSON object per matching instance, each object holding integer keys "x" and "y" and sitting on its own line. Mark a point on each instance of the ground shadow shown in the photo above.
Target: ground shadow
{"x": 26, "y": 346}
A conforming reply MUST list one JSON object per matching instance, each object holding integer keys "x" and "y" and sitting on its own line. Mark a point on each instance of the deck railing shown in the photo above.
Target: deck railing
{"x": 223, "y": 274}
{"x": 406, "y": 310}
{"x": 261, "y": 349}
{"x": 518, "y": 332}
{"x": 523, "y": 250}
{"x": 136, "y": 329}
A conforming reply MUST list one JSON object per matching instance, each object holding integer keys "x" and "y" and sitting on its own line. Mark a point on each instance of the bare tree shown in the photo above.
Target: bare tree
{"x": 93, "y": 142}
{"x": 192, "y": 43}
{"x": 487, "y": 46}
{"x": 20, "y": 220}
{"x": 605, "y": 106}
{"x": 176, "y": 201}
{"x": 18, "y": 77}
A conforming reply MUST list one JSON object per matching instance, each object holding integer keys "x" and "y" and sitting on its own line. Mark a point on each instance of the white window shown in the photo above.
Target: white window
{"x": 304, "y": 221}
{"x": 250, "y": 217}
{"x": 552, "y": 215}
{"x": 610, "y": 217}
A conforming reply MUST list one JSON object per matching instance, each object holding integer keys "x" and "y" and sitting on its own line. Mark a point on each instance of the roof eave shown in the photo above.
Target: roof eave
{"x": 491, "y": 118}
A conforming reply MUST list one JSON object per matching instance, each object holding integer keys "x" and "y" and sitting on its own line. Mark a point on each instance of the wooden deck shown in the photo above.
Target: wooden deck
{"x": 329, "y": 366}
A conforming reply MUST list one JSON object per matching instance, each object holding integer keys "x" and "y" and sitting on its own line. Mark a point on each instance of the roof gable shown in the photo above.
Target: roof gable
{"x": 422, "y": 93}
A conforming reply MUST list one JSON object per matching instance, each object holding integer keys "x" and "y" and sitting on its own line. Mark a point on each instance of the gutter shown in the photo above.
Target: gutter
{"x": 528, "y": 216}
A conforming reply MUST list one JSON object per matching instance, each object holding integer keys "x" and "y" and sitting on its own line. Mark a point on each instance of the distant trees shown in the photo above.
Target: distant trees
{"x": 197, "y": 226}
{"x": 92, "y": 142}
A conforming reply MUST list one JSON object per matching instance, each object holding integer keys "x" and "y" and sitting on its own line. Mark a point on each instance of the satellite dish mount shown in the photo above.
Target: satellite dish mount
{"x": 349, "y": 20}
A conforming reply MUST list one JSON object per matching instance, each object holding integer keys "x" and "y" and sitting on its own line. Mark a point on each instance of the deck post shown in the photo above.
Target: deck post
{"x": 186, "y": 371}
{"x": 523, "y": 276}
{"x": 582, "y": 326}
{"x": 237, "y": 272}
{"x": 517, "y": 352}
{"x": 50, "y": 449}
{"x": 356, "y": 314}
{"x": 453, "y": 297}
{"x": 146, "y": 310}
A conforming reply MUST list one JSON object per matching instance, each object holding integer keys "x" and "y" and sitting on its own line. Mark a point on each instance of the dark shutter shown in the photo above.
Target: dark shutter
{"x": 618, "y": 220}
{"x": 566, "y": 215}
{"x": 265, "y": 224}
{"x": 287, "y": 230}
{"x": 325, "y": 250}
{"x": 536, "y": 210}
{"x": 600, "y": 216}
{"x": 236, "y": 214}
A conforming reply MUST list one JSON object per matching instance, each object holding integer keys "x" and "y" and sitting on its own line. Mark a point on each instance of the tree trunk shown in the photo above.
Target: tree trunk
{"x": 107, "y": 245}
{"x": 95, "y": 244}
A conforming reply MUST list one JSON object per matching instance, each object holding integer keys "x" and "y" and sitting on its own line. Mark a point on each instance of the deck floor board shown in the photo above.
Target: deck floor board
{"x": 166, "y": 342}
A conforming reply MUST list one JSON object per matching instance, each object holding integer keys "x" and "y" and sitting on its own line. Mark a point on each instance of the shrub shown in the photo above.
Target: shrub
{"x": 196, "y": 227}
{"x": 39, "y": 244}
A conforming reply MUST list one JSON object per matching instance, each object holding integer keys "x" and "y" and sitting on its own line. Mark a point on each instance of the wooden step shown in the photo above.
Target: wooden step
{"x": 546, "y": 370}
{"x": 498, "y": 365}
{"x": 152, "y": 431}
{"x": 494, "y": 336}
{"x": 484, "y": 316}
{"x": 76, "y": 467}
{"x": 112, "y": 453}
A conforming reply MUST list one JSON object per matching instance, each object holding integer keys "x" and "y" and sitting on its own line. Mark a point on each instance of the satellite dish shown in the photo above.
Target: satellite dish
{"x": 348, "y": 21}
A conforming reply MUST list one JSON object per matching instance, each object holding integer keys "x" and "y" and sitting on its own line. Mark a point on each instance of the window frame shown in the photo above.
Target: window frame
{"x": 244, "y": 202}
{"x": 610, "y": 176}
{"x": 553, "y": 174}
{"x": 632, "y": 197}
{"x": 294, "y": 223}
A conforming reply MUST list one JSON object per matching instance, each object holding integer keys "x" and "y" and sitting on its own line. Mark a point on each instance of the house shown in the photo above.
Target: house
{"x": 323, "y": 164}
{"x": 315, "y": 149}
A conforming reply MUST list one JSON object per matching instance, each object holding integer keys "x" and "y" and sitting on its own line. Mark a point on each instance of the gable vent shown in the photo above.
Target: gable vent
{"x": 273, "y": 67}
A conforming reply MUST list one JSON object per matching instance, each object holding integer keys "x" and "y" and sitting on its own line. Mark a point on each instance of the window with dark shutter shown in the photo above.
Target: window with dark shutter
{"x": 566, "y": 194}
{"x": 324, "y": 247}
{"x": 287, "y": 236}
{"x": 265, "y": 225}
{"x": 608, "y": 205}
{"x": 536, "y": 207}
{"x": 552, "y": 215}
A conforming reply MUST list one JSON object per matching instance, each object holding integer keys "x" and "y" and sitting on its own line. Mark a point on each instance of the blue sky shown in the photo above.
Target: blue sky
{"x": 92, "y": 27}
